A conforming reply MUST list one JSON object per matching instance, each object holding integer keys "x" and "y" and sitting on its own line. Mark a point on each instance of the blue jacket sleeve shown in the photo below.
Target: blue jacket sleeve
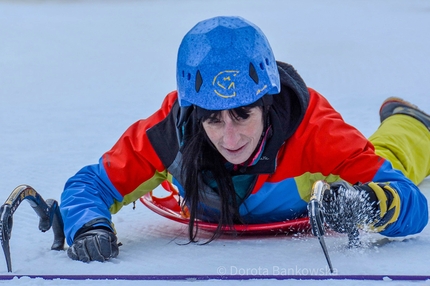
{"x": 87, "y": 196}
{"x": 413, "y": 216}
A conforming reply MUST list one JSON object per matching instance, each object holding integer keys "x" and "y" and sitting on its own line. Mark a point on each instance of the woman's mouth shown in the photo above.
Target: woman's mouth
{"x": 235, "y": 150}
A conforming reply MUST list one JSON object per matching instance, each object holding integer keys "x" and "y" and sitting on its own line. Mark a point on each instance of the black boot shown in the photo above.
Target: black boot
{"x": 395, "y": 105}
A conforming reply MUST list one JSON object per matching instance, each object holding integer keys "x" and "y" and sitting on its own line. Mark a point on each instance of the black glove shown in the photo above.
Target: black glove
{"x": 98, "y": 244}
{"x": 346, "y": 207}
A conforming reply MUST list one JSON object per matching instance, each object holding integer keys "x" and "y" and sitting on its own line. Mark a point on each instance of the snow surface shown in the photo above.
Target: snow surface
{"x": 75, "y": 74}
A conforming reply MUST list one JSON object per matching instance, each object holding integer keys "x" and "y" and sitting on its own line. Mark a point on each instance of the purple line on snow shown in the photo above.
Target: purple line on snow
{"x": 223, "y": 277}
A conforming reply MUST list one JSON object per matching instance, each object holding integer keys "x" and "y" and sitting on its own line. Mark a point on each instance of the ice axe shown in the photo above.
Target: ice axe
{"x": 48, "y": 212}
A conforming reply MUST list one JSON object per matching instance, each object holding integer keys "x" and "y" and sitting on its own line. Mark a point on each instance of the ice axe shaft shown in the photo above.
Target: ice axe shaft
{"x": 48, "y": 212}
{"x": 316, "y": 216}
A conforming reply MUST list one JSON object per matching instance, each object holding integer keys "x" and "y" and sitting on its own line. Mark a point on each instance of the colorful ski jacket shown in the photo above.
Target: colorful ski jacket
{"x": 309, "y": 142}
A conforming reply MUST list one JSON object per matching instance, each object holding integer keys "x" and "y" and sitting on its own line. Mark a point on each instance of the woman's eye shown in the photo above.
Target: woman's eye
{"x": 242, "y": 118}
{"x": 214, "y": 120}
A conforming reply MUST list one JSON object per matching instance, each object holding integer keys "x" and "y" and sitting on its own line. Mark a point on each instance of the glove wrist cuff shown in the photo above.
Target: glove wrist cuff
{"x": 97, "y": 223}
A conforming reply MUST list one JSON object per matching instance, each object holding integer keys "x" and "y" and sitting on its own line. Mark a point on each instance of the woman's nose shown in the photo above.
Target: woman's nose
{"x": 231, "y": 134}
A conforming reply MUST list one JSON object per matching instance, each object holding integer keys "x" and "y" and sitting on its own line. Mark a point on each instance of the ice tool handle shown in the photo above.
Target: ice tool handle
{"x": 316, "y": 216}
{"x": 48, "y": 212}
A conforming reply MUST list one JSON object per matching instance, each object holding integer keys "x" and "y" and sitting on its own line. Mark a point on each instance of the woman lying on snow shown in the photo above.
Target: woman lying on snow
{"x": 243, "y": 138}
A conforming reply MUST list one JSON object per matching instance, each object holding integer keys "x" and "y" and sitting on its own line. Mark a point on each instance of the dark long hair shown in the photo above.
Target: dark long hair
{"x": 199, "y": 157}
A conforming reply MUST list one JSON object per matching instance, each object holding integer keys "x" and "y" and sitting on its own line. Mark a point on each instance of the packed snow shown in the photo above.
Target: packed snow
{"x": 75, "y": 74}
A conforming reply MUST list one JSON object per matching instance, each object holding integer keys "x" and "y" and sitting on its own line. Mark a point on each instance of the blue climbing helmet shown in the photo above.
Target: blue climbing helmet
{"x": 224, "y": 63}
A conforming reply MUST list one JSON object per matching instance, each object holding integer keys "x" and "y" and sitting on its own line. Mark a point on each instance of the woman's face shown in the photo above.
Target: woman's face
{"x": 234, "y": 137}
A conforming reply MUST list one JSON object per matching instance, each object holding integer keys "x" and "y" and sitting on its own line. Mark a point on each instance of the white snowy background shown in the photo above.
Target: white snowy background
{"x": 75, "y": 74}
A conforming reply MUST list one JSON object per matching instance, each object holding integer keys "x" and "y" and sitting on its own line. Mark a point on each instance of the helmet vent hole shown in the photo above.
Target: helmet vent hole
{"x": 267, "y": 61}
{"x": 188, "y": 76}
{"x": 183, "y": 73}
{"x": 262, "y": 66}
{"x": 199, "y": 81}
{"x": 253, "y": 73}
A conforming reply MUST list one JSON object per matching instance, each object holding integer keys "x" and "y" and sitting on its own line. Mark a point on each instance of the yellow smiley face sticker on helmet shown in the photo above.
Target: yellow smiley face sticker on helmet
{"x": 224, "y": 83}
